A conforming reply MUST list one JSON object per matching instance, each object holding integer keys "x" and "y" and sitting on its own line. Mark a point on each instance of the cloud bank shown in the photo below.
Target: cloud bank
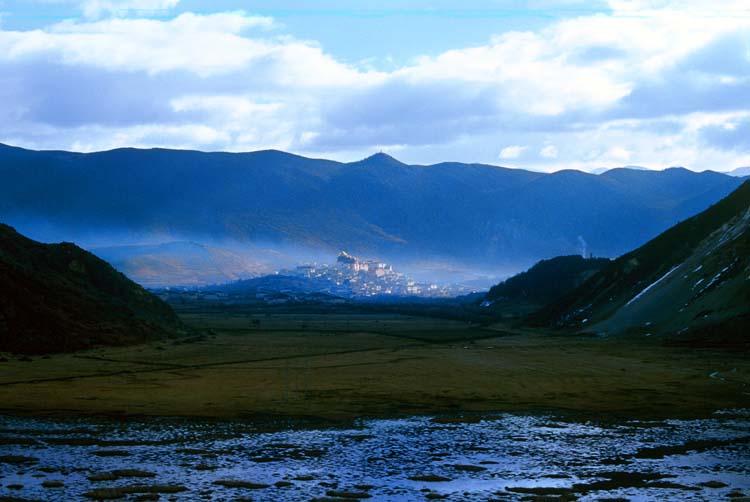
{"x": 655, "y": 83}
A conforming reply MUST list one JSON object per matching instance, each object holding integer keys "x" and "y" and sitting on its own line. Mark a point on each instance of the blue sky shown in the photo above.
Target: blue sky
{"x": 545, "y": 84}
{"x": 353, "y": 31}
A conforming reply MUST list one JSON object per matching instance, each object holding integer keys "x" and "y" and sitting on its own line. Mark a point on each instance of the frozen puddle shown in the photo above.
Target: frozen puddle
{"x": 500, "y": 457}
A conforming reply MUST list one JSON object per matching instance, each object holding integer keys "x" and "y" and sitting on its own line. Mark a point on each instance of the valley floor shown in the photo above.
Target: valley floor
{"x": 337, "y": 367}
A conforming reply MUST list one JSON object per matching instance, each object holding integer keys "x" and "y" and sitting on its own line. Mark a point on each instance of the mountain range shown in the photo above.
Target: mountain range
{"x": 472, "y": 215}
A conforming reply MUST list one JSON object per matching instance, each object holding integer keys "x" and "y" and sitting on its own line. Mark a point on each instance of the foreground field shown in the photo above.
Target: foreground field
{"x": 342, "y": 367}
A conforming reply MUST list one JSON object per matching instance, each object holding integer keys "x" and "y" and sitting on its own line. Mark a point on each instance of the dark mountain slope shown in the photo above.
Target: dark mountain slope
{"x": 544, "y": 283}
{"x": 58, "y": 297}
{"x": 692, "y": 278}
{"x": 471, "y": 214}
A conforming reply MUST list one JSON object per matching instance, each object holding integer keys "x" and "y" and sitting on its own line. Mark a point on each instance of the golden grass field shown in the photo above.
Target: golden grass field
{"x": 342, "y": 367}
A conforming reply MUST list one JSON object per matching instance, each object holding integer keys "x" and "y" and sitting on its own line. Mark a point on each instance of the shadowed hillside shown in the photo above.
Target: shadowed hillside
{"x": 544, "y": 283}
{"x": 58, "y": 297}
{"x": 691, "y": 283}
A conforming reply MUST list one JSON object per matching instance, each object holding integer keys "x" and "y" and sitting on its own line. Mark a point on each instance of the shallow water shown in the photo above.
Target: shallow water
{"x": 500, "y": 457}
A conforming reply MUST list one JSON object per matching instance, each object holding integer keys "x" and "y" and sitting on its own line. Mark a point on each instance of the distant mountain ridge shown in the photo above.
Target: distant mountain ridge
{"x": 60, "y": 298}
{"x": 475, "y": 215}
{"x": 602, "y": 170}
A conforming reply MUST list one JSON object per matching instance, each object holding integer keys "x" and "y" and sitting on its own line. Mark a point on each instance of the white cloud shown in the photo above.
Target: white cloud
{"x": 226, "y": 107}
{"x": 205, "y": 45}
{"x": 549, "y": 152}
{"x": 616, "y": 154}
{"x": 249, "y": 125}
{"x": 98, "y": 8}
{"x": 512, "y": 152}
{"x": 528, "y": 71}
{"x": 190, "y": 136}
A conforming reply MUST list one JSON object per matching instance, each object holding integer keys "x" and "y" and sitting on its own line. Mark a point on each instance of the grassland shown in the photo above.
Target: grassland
{"x": 338, "y": 367}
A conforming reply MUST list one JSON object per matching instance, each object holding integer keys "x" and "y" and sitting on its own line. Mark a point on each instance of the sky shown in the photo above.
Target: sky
{"x": 536, "y": 84}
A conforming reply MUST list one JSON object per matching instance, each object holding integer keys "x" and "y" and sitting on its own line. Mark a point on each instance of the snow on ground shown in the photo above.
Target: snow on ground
{"x": 718, "y": 276}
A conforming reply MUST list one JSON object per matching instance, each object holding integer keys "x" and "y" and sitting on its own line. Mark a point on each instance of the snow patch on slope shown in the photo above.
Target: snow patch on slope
{"x": 650, "y": 286}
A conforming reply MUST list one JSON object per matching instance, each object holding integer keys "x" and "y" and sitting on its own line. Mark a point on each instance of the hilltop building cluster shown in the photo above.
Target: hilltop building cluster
{"x": 352, "y": 276}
